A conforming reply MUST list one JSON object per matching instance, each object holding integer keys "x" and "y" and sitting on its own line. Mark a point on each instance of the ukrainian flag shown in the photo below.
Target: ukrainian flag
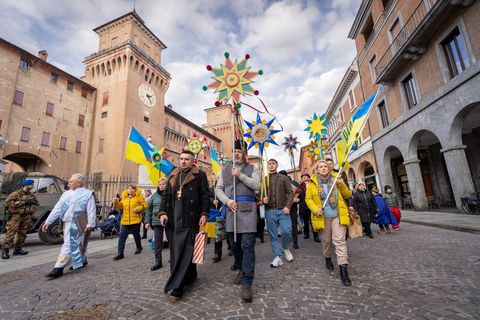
{"x": 341, "y": 148}
{"x": 356, "y": 123}
{"x": 216, "y": 166}
{"x": 138, "y": 150}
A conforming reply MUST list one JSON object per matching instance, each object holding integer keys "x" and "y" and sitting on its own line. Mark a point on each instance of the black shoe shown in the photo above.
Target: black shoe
{"x": 85, "y": 263}
{"x": 262, "y": 240}
{"x": 307, "y": 236}
{"x": 217, "y": 258}
{"x": 344, "y": 275}
{"x": 138, "y": 251}
{"x": 230, "y": 252}
{"x": 118, "y": 257}
{"x": 55, "y": 273}
{"x": 5, "y": 254}
{"x": 316, "y": 239}
{"x": 295, "y": 245}
{"x": 19, "y": 252}
{"x": 176, "y": 294}
{"x": 329, "y": 264}
{"x": 234, "y": 268}
{"x": 156, "y": 266}
{"x": 370, "y": 236}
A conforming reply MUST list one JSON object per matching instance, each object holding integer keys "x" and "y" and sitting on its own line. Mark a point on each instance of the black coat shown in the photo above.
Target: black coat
{"x": 303, "y": 209}
{"x": 364, "y": 205}
{"x": 195, "y": 199}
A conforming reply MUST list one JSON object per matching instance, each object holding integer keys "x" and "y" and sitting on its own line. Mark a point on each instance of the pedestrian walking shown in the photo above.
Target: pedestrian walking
{"x": 185, "y": 201}
{"x": 77, "y": 210}
{"x": 304, "y": 212}
{"x": 393, "y": 202}
{"x": 278, "y": 201}
{"x": 294, "y": 209}
{"x": 152, "y": 221}
{"x": 241, "y": 205}
{"x": 20, "y": 206}
{"x": 132, "y": 204}
{"x": 333, "y": 219}
{"x": 365, "y": 207}
{"x": 384, "y": 217}
{"x": 147, "y": 193}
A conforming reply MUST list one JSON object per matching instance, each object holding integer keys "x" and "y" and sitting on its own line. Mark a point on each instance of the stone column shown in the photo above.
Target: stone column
{"x": 459, "y": 172}
{"x": 415, "y": 183}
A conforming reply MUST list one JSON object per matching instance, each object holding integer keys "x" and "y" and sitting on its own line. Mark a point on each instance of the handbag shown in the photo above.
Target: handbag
{"x": 355, "y": 228}
{"x": 199, "y": 247}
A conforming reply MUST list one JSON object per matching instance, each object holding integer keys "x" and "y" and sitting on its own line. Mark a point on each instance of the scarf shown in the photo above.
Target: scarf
{"x": 322, "y": 193}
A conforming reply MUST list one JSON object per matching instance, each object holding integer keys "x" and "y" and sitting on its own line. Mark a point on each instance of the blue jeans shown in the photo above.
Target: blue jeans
{"x": 275, "y": 219}
{"x": 244, "y": 253}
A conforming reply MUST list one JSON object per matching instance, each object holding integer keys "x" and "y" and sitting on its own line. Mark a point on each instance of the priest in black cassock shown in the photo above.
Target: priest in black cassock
{"x": 187, "y": 199}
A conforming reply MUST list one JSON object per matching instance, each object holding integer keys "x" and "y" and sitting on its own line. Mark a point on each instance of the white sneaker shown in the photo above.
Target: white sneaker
{"x": 288, "y": 255}
{"x": 277, "y": 262}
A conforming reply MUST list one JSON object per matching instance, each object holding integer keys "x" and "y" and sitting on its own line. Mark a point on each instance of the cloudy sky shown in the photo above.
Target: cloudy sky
{"x": 302, "y": 46}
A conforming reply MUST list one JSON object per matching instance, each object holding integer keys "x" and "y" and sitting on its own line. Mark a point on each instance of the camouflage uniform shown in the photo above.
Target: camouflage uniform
{"x": 21, "y": 204}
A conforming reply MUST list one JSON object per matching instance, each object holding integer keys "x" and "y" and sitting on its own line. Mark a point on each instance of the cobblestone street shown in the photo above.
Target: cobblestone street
{"x": 421, "y": 273}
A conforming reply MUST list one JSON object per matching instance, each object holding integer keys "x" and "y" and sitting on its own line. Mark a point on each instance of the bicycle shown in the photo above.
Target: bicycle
{"x": 471, "y": 204}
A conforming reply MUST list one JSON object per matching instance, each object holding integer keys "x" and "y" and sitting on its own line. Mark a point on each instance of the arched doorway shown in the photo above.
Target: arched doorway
{"x": 28, "y": 162}
{"x": 351, "y": 177}
{"x": 393, "y": 160}
{"x": 466, "y": 131}
{"x": 369, "y": 175}
{"x": 438, "y": 190}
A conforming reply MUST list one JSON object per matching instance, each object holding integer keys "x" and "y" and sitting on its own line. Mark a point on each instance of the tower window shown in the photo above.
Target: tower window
{"x": 63, "y": 143}
{"x": 70, "y": 86}
{"x": 18, "y": 98}
{"x": 25, "y": 134}
{"x": 146, "y": 119}
{"x": 53, "y": 77}
{"x": 23, "y": 65}
{"x": 81, "y": 120}
{"x": 46, "y": 139}
{"x": 49, "y": 109}
{"x": 104, "y": 115}
{"x": 78, "y": 147}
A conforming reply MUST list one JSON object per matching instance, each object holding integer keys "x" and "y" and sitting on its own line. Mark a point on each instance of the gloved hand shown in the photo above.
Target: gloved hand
{"x": 30, "y": 202}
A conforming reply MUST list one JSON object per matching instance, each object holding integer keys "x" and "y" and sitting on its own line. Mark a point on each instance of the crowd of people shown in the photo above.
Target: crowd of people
{"x": 180, "y": 206}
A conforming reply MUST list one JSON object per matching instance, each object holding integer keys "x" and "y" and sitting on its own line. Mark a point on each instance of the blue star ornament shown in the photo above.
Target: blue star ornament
{"x": 260, "y": 133}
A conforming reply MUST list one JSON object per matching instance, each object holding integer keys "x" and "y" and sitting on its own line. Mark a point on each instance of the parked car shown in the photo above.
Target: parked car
{"x": 48, "y": 189}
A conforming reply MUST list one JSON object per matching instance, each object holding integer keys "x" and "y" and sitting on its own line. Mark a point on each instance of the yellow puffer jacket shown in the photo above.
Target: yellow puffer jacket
{"x": 314, "y": 203}
{"x": 132, "y": 207}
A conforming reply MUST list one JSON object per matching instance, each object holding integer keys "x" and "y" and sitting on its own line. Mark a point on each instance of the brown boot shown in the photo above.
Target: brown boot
{"x": 246, "y": 292}
{"x": 238, "y": 277}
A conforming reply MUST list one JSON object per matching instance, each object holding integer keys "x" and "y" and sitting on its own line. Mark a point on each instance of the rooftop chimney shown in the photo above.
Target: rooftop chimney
{"x": 42, "y": 54}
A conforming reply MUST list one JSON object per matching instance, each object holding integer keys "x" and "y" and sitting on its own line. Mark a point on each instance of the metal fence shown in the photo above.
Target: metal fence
{"x": 106, "y": 189}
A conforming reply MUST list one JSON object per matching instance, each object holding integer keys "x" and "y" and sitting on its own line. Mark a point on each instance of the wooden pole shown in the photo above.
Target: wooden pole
{"x": 234, "y": 182}
{"x": 123, "y": 162}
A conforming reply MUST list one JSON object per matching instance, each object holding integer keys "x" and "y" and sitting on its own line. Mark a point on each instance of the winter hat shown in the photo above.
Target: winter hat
{"x": 358, "y": 182}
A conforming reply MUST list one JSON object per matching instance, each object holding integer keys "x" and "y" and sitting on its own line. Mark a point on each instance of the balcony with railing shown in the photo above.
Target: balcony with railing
{"x": 411, "y": 41}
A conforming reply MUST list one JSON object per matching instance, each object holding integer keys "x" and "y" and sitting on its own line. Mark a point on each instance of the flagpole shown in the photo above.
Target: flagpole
{"x": 234, "y": 182}
{"x": 123, "y": 161}
{"x": 351, "y": 147}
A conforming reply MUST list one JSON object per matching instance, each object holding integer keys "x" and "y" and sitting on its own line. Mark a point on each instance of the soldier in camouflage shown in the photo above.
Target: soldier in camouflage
{"x": 21, "y": 204}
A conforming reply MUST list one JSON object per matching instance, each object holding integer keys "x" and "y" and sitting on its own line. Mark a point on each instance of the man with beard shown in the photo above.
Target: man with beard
{"x": 187, "y": 196}
{"x": 240, "y": 200}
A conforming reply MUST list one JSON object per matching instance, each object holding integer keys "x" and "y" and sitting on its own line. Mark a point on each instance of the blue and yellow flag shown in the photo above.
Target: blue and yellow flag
{"x": 356, "y": 123}
{"x": 140, "y": 151}
{"x": 216, "y": 166}
{"x": 341, "y": 148}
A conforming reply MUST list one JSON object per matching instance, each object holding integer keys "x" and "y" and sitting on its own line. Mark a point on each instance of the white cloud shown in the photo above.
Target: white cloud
{"x": 301, "y": 45}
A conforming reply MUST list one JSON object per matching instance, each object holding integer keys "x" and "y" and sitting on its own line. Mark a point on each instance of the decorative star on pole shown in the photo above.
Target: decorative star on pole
{"x": 260, "y": 133}
{"x": 232, "y": 80}
{"x": 159, "y": 158}
{"x": 316, "y": 126}
{"x": 290, "y": 143}
{"x": 313, "y": 151}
